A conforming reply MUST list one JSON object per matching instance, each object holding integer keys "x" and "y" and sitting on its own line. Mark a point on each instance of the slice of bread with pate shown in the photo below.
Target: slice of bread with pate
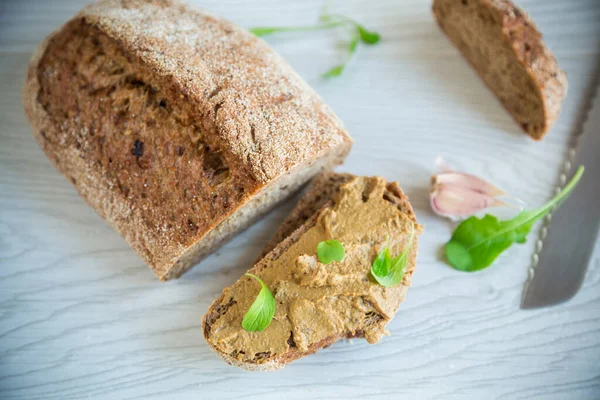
{"x": 318, "y": 304}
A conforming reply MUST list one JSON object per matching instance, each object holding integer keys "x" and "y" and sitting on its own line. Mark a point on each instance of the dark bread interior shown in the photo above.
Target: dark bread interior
{"x": 117, "y": 107}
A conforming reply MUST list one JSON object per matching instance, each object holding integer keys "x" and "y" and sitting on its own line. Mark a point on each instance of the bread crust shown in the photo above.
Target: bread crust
{"x": 519, "y": 32}
{"x": 319, "y": 195}
{"x": 269, "y": 119}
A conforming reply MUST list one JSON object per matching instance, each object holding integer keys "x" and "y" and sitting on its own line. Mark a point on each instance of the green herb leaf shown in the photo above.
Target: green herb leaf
{"x": 262, "y": 31}
{"x": 358, "y": 34}
{"x": 330, "y": 250}
{"x": 261, "y": 312}
{"x": 389, "y": 271}
{"x": 366, "y": 36}
{"x": 353, "y": 45}
{"x": 268, "y": 30}
{"x": 382, "y": 263}
{"x": 476, "y": 243}
{"x": 335, "y": 71}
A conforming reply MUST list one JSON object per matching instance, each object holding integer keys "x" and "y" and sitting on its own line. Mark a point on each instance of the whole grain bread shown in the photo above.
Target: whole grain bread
{"x": 505, "y": 47}
{"x": 176, "y": 126}
{"x": 319, "y": 195}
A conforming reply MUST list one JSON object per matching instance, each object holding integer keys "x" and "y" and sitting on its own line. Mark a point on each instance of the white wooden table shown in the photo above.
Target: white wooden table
{"x": 81, "y": 317}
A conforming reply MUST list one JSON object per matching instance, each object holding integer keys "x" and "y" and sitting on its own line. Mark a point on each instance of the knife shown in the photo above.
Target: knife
{"x": 564, "y": 254}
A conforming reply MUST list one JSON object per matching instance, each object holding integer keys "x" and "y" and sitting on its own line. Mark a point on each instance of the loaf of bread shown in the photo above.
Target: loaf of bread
{"x": 506, "y": 49}
{"x": 176, "y": 126}
{"x": 316, "y": 304}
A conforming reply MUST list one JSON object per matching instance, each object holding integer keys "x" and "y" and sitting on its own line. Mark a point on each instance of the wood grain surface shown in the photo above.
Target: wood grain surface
{"x": 81, "y": 317}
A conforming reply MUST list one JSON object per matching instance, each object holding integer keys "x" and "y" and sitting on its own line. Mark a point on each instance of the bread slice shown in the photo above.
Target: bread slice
{"x": 176, "y": 126}
{"x": 504, "y": 46}
{"x": 327, "y": 196}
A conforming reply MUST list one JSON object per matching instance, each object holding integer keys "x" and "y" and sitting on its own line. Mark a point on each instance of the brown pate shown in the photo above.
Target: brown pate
{"x": 316, "y": 301}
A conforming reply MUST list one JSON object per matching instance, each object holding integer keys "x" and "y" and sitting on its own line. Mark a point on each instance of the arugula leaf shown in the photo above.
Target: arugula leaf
{"x": 476, "y": 242}
{"x": 330, "y": 250}
{"x": 358, "y": 34}
{"x": 389, "y": 271}
{"x": 261, "y": 312}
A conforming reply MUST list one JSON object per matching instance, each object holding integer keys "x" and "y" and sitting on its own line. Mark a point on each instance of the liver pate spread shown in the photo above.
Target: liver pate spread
{"x": 316, "y": 301}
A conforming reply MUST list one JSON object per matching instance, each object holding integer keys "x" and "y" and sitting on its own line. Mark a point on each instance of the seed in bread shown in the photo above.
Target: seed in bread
{"x": 506, "y": 49}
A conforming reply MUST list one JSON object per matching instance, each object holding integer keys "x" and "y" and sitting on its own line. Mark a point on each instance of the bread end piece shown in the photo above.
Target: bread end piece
{"x": 506, "y": 49}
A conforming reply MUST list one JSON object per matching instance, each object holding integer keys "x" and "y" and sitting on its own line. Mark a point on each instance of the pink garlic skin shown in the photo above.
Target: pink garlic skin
{"x": 466, "y": 181}
{"x": 458, "y": 195}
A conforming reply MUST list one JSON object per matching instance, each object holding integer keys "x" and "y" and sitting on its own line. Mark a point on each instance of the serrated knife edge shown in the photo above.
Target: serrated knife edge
{"x": 591, "y": 106}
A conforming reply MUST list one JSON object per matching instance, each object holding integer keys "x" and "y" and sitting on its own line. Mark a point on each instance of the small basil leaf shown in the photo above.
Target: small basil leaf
{"x": 335, "y": 71}
{"x": 389, "y": 271}
{"x": 330, "y": 250}
{"x": 367, "y": 36}
{"x": 261, "y": 312}
{"x": 382, "y": 263}
{"x": 477, "y": 242}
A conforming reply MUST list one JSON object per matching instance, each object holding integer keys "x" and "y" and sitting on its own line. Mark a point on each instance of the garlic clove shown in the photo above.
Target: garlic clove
{"x": 459, "y": 195}
{"x": 466, "y": 181}
{"x": 459, "y": 202}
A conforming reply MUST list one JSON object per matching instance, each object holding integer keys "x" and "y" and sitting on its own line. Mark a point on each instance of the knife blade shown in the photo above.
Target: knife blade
{"x": 573, "y": 228}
